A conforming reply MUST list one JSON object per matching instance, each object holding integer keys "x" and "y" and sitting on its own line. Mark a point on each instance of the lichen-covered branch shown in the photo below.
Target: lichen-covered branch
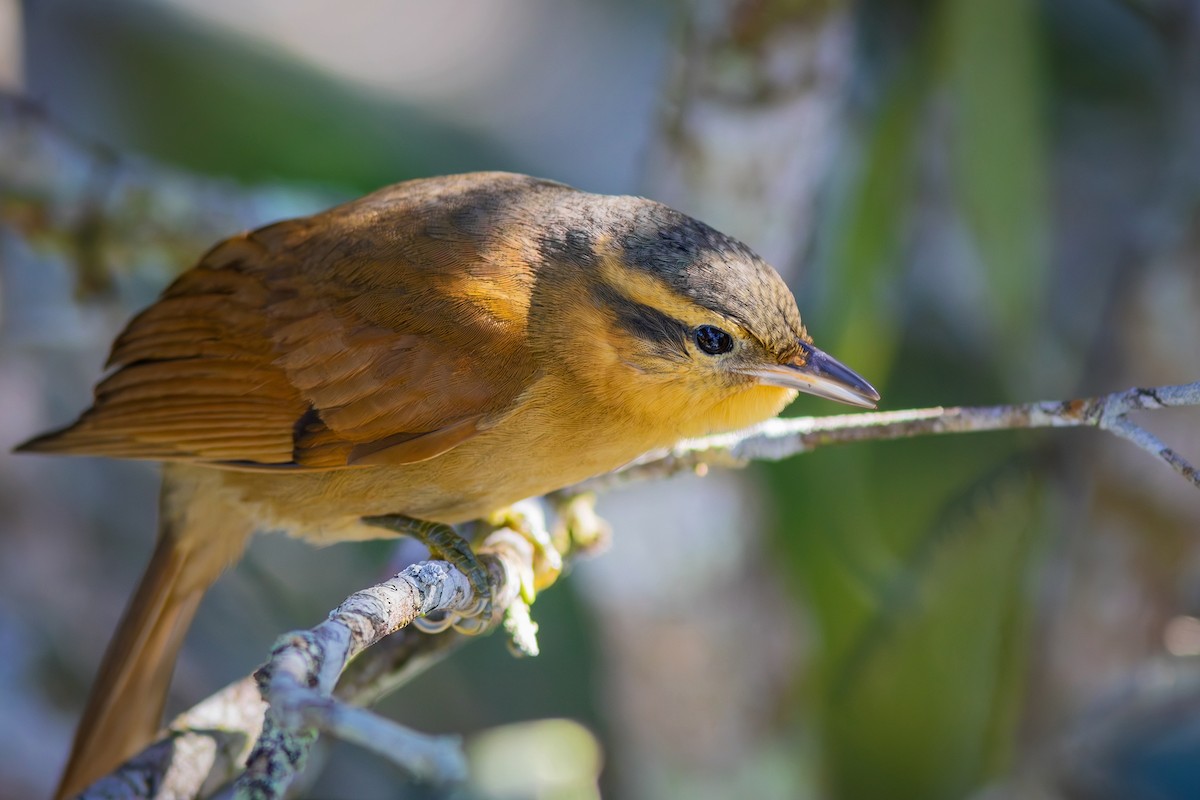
{"x": 202, "y": 749}
{"x": 291, "y": 699}
{"x": 299, "y": 679}
{"x": 206, "y": 747}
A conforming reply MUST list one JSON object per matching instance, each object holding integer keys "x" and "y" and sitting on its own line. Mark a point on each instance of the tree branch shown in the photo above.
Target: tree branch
{"x": 207, "y": 747}
{"x": 200, "y": 751}
{"x": 299, "y": 679}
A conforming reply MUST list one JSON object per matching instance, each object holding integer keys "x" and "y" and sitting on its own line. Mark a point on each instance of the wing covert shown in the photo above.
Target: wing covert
{"x": 305, "y": 346}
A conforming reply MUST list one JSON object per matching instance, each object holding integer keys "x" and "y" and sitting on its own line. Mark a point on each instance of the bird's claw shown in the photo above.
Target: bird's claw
{"x": 448, "y": 545}
{"x": 527, "y": 520}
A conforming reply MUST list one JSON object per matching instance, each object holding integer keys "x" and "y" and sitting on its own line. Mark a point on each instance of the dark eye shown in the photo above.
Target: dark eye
{"x": 713, "y": 341}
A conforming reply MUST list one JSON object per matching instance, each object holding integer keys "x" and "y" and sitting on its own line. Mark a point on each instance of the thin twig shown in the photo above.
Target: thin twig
{"x": 778, "y": 439}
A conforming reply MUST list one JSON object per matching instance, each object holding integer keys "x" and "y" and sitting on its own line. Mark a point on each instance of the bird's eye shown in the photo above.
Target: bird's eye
{"x": 713, "y": 341}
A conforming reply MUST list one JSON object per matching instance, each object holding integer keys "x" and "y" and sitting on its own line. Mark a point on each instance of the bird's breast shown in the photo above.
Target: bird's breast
{"x": 554, "y": 438}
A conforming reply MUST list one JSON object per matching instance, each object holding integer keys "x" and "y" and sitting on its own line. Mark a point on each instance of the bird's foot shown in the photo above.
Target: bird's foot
{"x": 527, "y": 522}
{"x": 528, "y": 518}
{"x": 448, "y": 545}
{"x": 579, "y": 530}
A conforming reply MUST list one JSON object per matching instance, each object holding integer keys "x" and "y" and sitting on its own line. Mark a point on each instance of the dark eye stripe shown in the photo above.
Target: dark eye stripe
{"x": 668, "y": 334}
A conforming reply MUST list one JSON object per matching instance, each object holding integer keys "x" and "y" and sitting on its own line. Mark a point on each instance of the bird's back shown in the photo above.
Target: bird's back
{"x": 389, "y": 328}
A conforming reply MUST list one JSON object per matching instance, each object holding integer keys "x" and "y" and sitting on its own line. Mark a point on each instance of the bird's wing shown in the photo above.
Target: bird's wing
{"x": 332, "y": 341}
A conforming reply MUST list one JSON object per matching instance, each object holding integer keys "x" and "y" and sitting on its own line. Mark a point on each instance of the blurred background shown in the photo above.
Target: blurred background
{"x": 975, "y": 202}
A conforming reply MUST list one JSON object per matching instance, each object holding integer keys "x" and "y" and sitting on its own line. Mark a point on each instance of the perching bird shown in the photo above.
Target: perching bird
{"x": 434, "y": 351}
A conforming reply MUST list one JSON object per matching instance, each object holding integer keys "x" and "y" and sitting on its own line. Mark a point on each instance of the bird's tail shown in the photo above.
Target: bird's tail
{"x": 200, "y": 534}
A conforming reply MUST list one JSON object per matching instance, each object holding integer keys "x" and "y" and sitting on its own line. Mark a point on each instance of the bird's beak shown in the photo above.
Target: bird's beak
{"x": 813, "y": 372}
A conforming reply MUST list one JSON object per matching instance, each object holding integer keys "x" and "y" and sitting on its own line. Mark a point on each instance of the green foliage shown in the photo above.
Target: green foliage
{"x": 990, "y": 54}
{"x": 214, "y": 102}
{"x": 929, "y": 693}
{"x": 866, "y": 228}
{"x": 914, "y": 558}
{"x": 915, "y": 566}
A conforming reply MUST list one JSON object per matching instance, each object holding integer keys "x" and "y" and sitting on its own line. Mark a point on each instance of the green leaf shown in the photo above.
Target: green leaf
{"x": 921, "y": 664}
{"x": 212, "y": 100}
{"x": 992, "y": 71}
{"x": 869, "y": 212}
{"x": 931, "y": 690}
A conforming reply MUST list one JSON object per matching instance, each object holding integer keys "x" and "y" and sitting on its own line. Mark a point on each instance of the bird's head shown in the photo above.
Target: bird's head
{"x": 676, "y": 321}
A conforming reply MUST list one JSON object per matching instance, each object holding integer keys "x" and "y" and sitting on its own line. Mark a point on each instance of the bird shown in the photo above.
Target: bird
{"x": 431, "y": 352}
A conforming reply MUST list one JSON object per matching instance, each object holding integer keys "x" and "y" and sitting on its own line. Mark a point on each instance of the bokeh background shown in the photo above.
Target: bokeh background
{"x": 975, "y": 201}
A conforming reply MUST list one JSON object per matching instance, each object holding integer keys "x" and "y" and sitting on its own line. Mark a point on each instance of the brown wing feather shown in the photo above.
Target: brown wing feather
{"x": 384, "y": 331}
